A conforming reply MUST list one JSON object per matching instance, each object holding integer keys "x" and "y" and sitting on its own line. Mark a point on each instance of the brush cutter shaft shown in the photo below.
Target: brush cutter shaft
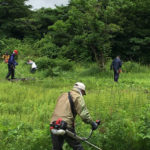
{"x": 92, "y": 145}
{"x": 69, "y": 133}
{"x": 73, "y": 135}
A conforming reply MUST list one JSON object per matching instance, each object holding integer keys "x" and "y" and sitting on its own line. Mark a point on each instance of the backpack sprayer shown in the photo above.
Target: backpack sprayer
{"x": 59, "y": 127}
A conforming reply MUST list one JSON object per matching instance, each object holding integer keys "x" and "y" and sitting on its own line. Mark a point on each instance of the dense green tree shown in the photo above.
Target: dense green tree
{"x": 43, "y": 18}
{"x": 85, "y": 30}
{"x": 10, "y": 13}
{"x": 86, "y": 33}
{"x": 133, "y": 42}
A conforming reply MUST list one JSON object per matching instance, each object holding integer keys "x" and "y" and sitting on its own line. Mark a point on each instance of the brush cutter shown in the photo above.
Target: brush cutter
{"x": 20, "y": 79}
{"x": 59, "y": 127}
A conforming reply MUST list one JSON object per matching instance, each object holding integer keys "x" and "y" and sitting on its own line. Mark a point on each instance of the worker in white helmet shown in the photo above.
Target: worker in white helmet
{"x": 68, "y": 106}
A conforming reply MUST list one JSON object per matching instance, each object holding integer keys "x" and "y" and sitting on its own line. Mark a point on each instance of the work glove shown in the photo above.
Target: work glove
{"x": 94, "y": 125}
{"x": 15, "y": 64}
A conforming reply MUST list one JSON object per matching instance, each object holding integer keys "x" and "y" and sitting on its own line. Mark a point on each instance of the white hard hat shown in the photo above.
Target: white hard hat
{"x": 80, "y": 86}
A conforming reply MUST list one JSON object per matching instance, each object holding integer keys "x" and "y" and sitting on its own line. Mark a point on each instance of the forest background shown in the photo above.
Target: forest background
{"x": 74, "y": 43}
{"x": 85, "y": 30}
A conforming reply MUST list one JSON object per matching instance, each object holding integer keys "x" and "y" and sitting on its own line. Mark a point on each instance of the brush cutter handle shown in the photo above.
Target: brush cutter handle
{"x": 91, "y": 132}
{"x": 95, "y": 124}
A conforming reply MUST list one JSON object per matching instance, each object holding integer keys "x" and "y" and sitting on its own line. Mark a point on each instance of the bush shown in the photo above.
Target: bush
{"x": 23, "y": 136}
{"x": 43, "y": 63}
{"x": 120, "y": 132}
{"x": 144, "y": 128}
{"x": 8, "y": 45}
{"x": 45, "y": 47}
{"x": 92, "y": 70}
{"x": 53, "y": 67}
{"x": 133, "y": 67}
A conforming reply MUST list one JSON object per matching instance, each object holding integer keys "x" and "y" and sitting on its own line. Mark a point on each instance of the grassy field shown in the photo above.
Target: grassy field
{"x": 124, "y": 108}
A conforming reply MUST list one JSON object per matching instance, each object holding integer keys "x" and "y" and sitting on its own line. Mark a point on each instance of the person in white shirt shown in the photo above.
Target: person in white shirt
{"x": 33, "y": 66}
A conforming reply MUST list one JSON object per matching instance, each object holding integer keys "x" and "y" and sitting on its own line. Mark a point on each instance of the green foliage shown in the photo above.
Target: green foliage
{"x": 131, "y": 43}
{"x": 134, "y": 67}
{"x": 45, "y": 47}
{"x": 144, "y": 128}
{"x": 53, "y": 67}
{"x": 85, "y": 31}
{"x": 10, "y": 12}
{"x": 88, "y": 30}
{"x": 92, "y": 70}
{"x": 43, "y": 62}
{"x": 60, "y": 32}
{"x": 123, "y": 108}
{"x": 8, "y": 45}
{"x": 16, "y": 135}
{"x": 24, "y": 48}
{"x": 77, "y": 50}
{"x": 122, "y": 129}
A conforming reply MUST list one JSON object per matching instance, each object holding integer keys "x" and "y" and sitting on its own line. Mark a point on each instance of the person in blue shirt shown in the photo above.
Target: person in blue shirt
{"x": 11, "y": 65}
{"x": 116, "y": 66}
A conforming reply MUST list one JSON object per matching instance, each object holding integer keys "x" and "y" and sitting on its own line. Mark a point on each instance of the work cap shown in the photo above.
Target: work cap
{"x": 80, "y": 86}
{"x": 16, "y": 52}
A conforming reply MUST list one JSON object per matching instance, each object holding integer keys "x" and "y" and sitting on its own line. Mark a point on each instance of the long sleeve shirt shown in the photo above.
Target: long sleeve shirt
{"x": 12, "y": 61}
{"x": 116, "y": 64}
{"x": 63, "y": 108}
{"x": 32, "y": 63}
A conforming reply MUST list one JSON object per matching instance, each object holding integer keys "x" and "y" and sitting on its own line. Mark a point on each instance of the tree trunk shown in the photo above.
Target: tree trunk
{"x": 99, "y": 58}
{"x": 102, "y": 60}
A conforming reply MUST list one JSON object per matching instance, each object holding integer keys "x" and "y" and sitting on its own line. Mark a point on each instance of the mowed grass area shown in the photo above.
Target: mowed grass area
{"x": 124, "y": 108}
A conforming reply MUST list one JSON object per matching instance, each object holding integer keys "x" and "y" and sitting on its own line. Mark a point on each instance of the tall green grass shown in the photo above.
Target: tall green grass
{"x": 124, "y": 108}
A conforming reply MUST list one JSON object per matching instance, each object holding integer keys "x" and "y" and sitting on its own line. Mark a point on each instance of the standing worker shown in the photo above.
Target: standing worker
{"x": 116, "y": 66}
{"x": 33, "y": 66}
{"x": 11, "y": 65}
{"x": 68, "y": 106}
{"x": 6, "y": 57}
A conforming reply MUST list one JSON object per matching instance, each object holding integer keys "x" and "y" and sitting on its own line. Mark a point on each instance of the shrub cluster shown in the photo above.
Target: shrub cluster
{"x": 53, "y": 67}
{"x": 133, "y": 67}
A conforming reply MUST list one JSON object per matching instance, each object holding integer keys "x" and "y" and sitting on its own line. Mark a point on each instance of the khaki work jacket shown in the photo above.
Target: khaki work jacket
{"x": 63, "y": 108}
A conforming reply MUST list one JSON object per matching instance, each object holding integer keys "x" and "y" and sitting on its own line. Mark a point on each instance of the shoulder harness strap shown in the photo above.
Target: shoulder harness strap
{"x": 71, "y": 104}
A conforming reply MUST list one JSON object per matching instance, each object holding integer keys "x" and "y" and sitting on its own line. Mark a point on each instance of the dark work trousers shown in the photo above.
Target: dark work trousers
{"x": 58, "y": 141}
{"x": 116, "y": 75}
{"x": 33, "y": 70}
{"x": 11, "y": 71}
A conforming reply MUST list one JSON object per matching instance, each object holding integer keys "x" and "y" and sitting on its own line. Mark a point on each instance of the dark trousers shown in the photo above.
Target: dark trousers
{"x": 11, "y": 71}
{"x": 116, "y": 75}
{"x": 58, "y": 141}
{"x": 33, "y": 70}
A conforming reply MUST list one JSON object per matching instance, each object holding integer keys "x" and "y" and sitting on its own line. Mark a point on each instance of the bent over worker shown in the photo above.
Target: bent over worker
{"x": 33, "y": 66}
{"x": 66, "y": 102}
{"x": 11, "y": 65}
{"x": 116, "y": 66}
